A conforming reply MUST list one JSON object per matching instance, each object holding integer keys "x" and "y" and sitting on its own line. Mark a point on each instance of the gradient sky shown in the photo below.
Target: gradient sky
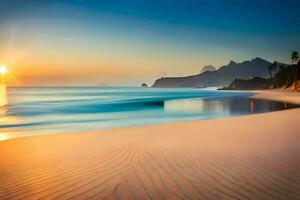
{"x": 127, "y": 42}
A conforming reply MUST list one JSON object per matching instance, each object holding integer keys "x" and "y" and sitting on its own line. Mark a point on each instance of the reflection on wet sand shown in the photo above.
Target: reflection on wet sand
{"x": 225, "y": 106}
{"x": 252, "y": 106}
{"x": 3, "y": 136}
{"x": 196, "y": 105}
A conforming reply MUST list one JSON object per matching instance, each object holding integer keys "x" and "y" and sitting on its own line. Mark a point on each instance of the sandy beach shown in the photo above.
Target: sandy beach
{"x": 248, "y": 157}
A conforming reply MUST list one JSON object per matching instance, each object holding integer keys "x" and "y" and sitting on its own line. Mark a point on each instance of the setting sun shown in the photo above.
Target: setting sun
{"x": 3, "y": 69}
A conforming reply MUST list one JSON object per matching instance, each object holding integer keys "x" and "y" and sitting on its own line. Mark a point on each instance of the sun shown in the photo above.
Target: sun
{"x": 3, "y": 69}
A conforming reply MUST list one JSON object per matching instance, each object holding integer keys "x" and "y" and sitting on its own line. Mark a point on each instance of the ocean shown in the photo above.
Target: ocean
{"x": 26, "y": 111}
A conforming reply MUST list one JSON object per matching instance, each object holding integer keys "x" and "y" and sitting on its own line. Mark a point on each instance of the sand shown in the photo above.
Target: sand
{"x": 248, "y": 157}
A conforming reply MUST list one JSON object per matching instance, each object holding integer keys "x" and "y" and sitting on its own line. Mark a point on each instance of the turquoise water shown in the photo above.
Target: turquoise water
{"x": 41, "y": 110}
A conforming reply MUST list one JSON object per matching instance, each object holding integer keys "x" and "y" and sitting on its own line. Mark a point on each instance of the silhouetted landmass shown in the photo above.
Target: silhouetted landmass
{"x": 257, "y": 67}
{"x": 255, "y": 83}
{"x": 248, "y": 75}
{"x": 144, "y": 85}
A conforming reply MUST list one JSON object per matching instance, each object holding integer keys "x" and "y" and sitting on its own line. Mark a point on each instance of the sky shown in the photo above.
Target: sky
{"x": 128, "y": 42}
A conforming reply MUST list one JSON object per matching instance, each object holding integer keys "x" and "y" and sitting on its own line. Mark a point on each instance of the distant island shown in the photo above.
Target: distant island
{"x": 144, "y": 85}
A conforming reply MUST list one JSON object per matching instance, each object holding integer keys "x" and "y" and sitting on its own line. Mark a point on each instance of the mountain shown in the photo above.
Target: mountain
{"x": 257, "y": 67}
{"x": 208, "y": 68}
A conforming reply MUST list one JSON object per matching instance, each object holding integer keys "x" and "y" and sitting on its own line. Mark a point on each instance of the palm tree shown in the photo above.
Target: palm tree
{"x": 271, "y": 68}
{"x": 294, "y": 57}
{"x": 295, "y": 69}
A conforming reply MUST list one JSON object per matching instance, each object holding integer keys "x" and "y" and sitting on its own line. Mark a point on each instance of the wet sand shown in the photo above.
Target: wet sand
{"x": 248, "y": 157}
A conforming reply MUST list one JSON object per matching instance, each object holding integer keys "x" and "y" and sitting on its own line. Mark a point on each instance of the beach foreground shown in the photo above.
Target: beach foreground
{"x": 248, "y": 157}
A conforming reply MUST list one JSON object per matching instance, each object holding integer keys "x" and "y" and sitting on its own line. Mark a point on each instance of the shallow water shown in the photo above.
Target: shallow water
{"x": 42, "y": 110}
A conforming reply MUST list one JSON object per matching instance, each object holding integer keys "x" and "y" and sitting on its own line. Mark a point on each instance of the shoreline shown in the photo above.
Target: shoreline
{"x": 245, "y": 157}
{"x": 277, "y": 95}
{"x": 253, "y": 94}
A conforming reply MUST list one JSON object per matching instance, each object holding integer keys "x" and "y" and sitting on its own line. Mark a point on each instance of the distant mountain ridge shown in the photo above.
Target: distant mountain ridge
{"x": 208, "y": 68}
{"x": 223, "y": 76}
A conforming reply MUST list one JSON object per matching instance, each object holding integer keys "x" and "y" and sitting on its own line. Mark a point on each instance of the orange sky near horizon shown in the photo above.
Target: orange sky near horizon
{"x": 45, "y": 60}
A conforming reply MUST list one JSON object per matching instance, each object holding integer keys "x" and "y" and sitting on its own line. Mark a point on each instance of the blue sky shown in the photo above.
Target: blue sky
{"x": 156, "y": 37}
{"x": 236, "y": 15}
